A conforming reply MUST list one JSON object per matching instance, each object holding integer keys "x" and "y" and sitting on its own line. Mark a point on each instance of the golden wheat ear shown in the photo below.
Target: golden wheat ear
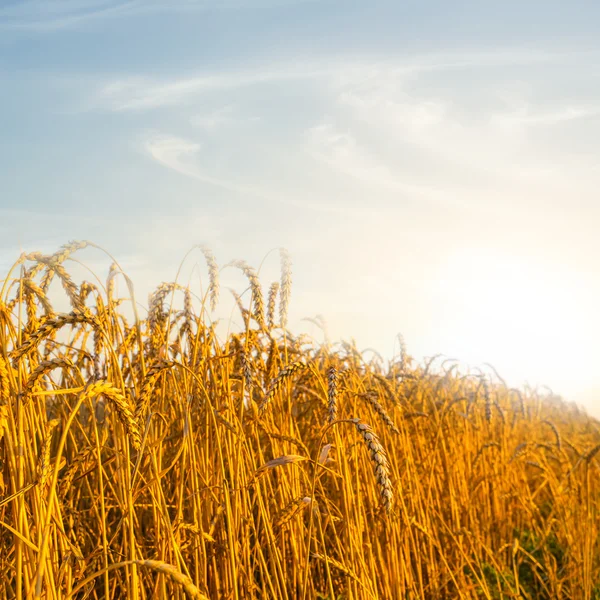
{"x": 381, "y": 465}
{"x": 281, "y": 378}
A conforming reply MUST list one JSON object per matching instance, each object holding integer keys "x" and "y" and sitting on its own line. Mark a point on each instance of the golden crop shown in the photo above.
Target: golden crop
{"x": 148, "y": 458}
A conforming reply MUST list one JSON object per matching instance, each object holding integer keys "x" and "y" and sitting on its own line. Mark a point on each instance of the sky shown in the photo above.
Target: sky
{"x": 432, "y": 167}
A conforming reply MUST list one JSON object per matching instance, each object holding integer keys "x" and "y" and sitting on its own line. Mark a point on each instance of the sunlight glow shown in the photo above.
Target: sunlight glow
{"x": 526, "y": 316}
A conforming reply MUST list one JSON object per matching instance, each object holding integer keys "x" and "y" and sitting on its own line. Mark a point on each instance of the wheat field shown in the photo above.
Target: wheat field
{"x": 143, "y": 455}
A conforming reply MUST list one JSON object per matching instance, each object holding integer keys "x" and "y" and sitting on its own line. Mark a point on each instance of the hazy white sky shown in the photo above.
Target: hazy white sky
{"x": 433, "y": 167}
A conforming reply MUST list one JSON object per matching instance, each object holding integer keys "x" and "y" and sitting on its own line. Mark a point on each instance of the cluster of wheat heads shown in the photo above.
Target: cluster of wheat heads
{"x": 148, "y": 458}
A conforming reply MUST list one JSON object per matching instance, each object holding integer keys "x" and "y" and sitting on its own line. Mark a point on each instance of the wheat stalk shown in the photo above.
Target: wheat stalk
{"x": 229, "y": 493}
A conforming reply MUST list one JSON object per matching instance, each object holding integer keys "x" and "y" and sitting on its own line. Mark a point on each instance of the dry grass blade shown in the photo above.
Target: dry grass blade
{"x": 338, "y": 565}
{"x": 281, "y": 461}
{"x": 175, "y": 575}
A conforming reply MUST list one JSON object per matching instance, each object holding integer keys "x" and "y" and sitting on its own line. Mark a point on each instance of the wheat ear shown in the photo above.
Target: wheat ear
{"x": 286, "y": 286}
{"x": 273, "y": 290}
{"x": 380, "y": 410}
{"x": 52, "y": 323}
{"x": 4, "y": 381}
{"x": 380, "y": 462}
{"x": 332, "y": 381}
{"x": 283, "y": 375}
{"x": 43, "y": 467}
{"x": 121, "y": 405}
{"x": 213, "y": 276}
{"x": 257, "y": 295}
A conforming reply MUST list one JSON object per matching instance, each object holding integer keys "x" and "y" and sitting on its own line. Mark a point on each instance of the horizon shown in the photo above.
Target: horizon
{"x": 432, "y": 170}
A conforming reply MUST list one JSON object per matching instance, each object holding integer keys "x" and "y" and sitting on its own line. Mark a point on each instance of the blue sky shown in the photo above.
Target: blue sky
{"x": 432, "y": 167}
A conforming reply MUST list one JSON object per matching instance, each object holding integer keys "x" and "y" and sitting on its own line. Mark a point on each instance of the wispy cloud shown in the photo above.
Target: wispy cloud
{"x": 480, "y": 135}
{"x": 54, "y": 15}
{"x": 182, "y": 156}
{"x": 185, "y": 157}
{"x": 380, "y": 124}
{"x": 49, "y": 15}
{"x": 139, "y": 93}
{"x": 24, "y": 230}
{"x": 529, "y": 116}
{"x": 8, "y": 215}
{"x": 212, "y": 120}
{"x": 352, "y": 79}
{"x": 343, "y": 153}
